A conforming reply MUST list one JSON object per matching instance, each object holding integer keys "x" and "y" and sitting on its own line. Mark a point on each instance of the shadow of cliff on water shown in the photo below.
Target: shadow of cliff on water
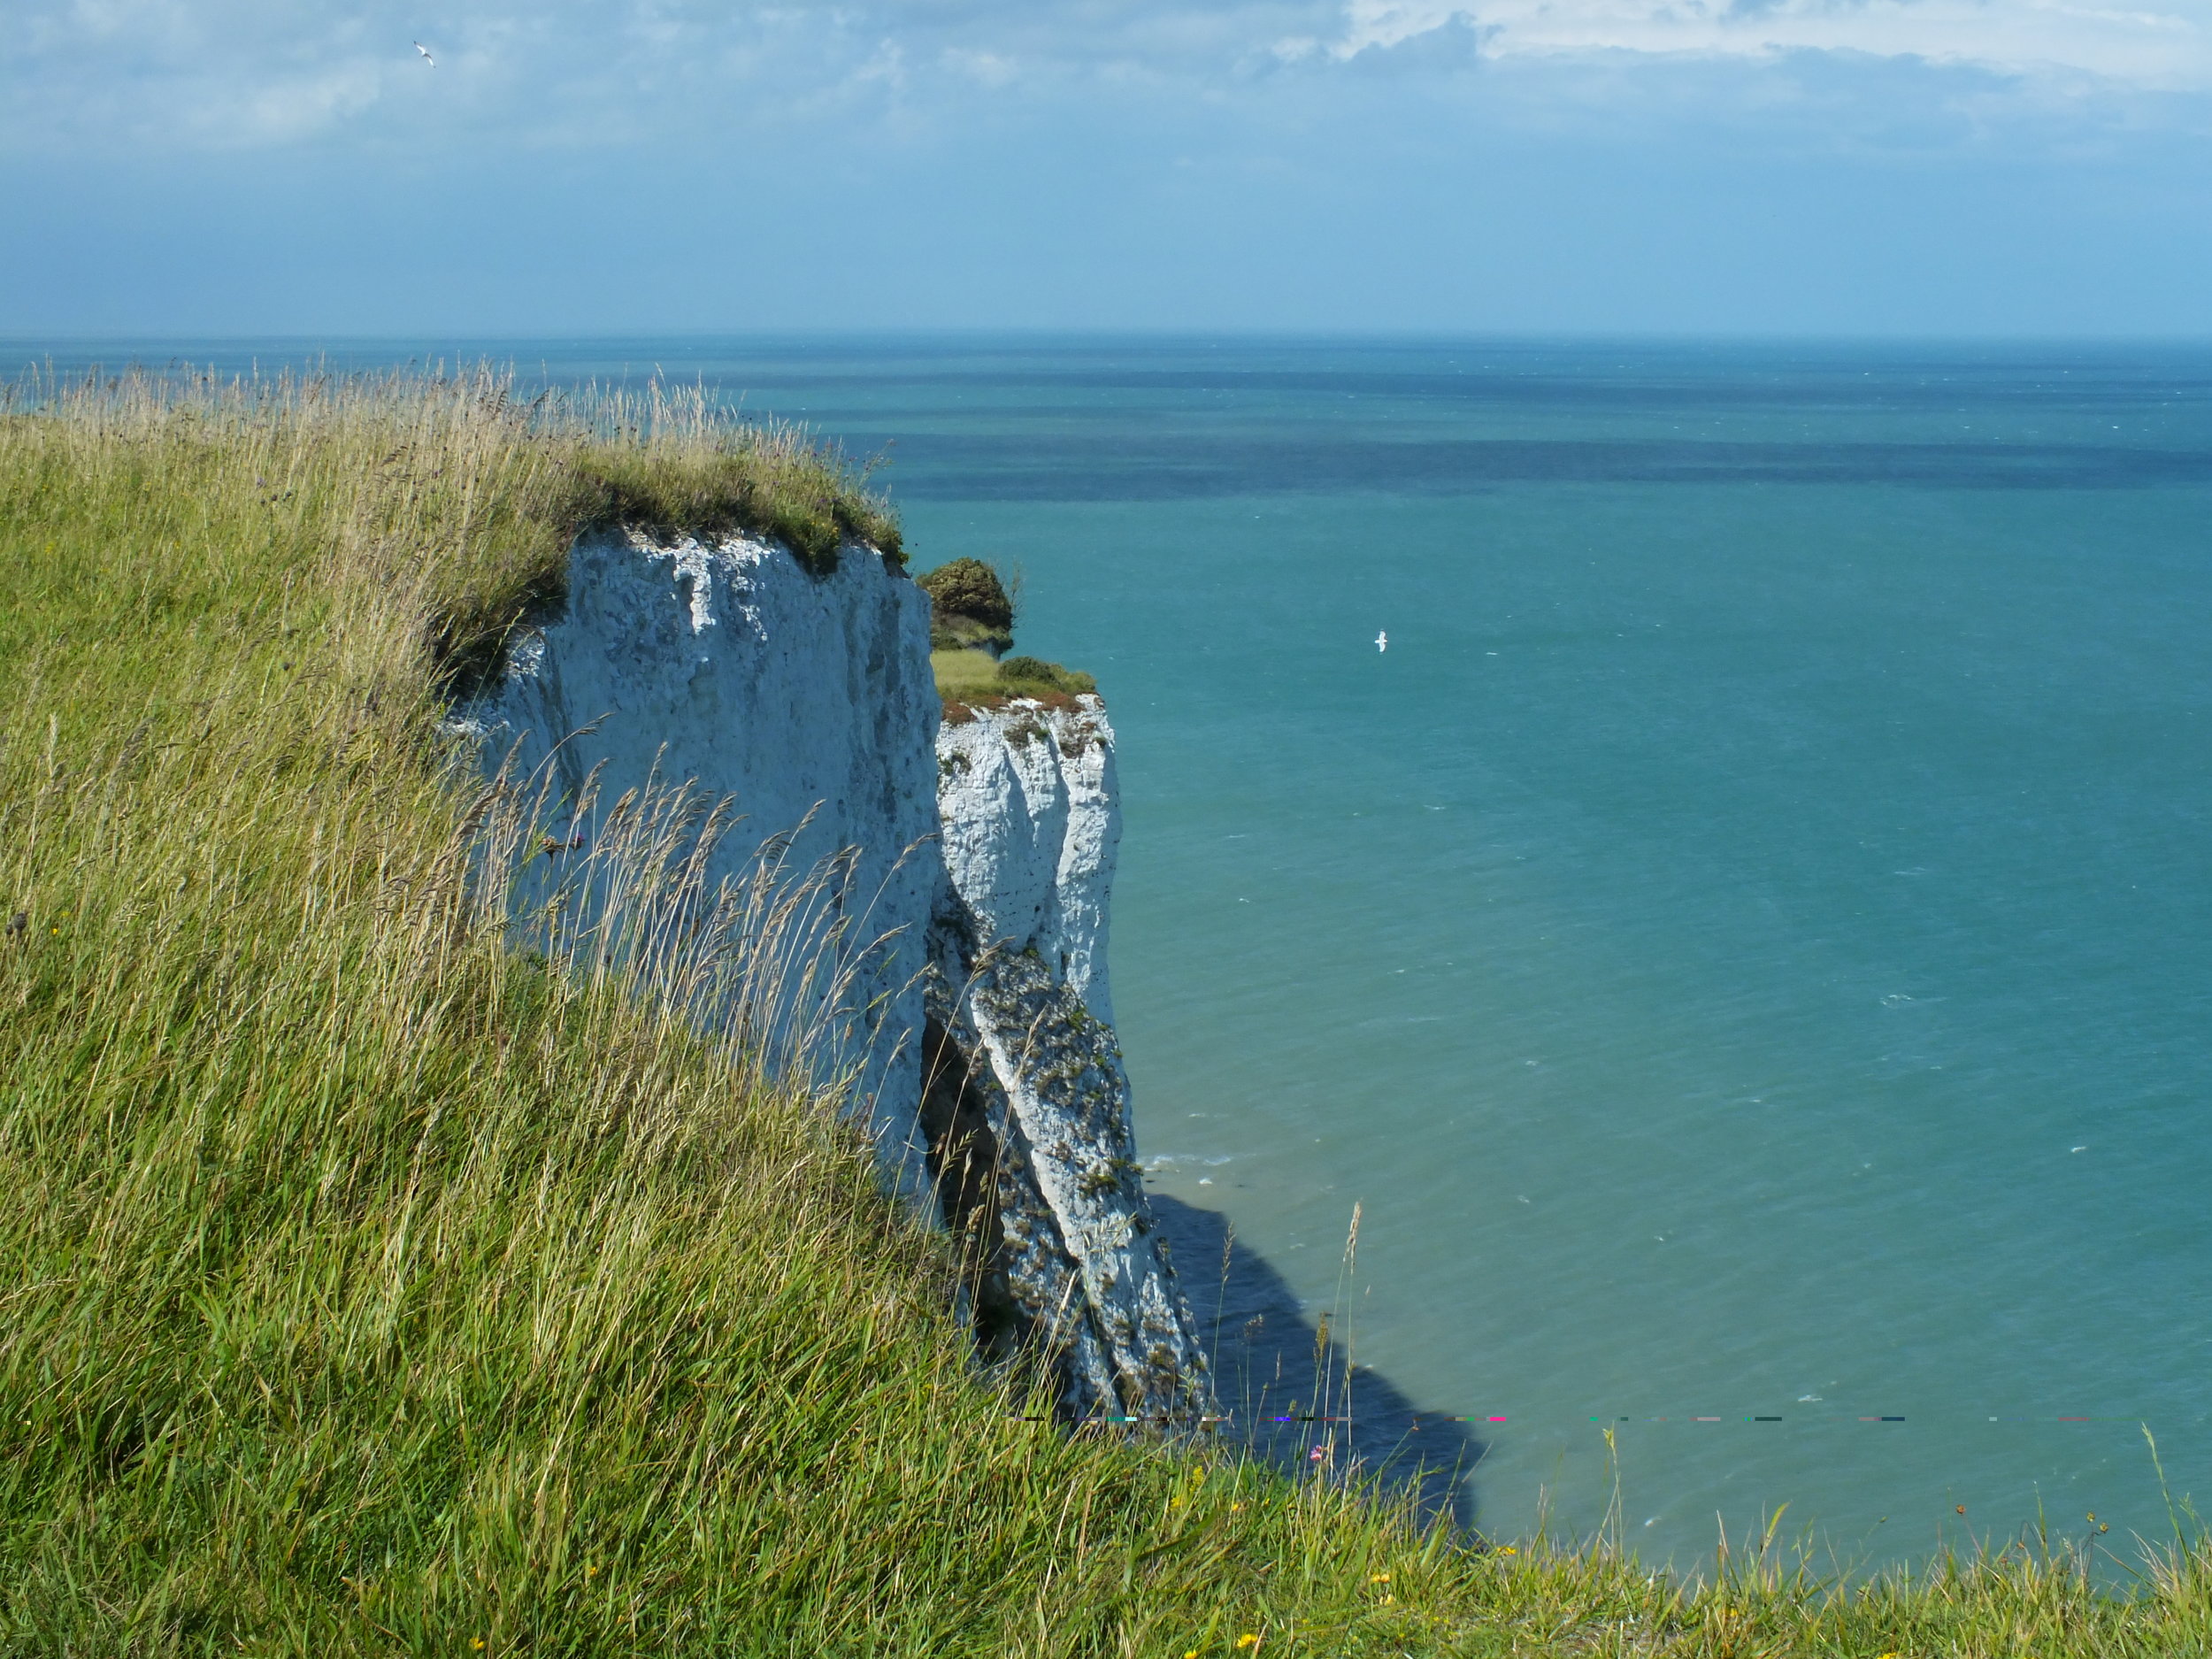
{"x": 1283, "y": 1384}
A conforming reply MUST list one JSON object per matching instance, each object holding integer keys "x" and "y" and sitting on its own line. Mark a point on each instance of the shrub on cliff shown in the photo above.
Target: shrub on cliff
{"x": 969, "y": 607}
{"x": 968, "y": 679}
{"x": 1032, "y": 676}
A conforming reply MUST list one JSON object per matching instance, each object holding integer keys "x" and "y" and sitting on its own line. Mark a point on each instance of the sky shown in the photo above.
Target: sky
{"x": 1823, "y": 167}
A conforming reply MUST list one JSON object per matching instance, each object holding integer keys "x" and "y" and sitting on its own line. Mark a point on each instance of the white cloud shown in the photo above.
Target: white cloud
{"x": 2164, "y": 47}
{"x": 143, "y": 74}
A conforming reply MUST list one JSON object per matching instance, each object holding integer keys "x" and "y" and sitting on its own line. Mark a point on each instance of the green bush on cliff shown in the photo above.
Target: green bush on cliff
{"x": 973, "y": 679}
{"x": 969, "y": 607}
{"x": 1032, "y": 676}
{"x": 370, "y": 1288}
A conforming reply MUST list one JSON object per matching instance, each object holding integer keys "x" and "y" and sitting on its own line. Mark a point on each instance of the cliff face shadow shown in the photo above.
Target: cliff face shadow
{"x": 1275, "y": 1377}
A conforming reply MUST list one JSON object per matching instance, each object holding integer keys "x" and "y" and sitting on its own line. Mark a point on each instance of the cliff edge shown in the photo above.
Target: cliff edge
{"x": 981, "y": 848}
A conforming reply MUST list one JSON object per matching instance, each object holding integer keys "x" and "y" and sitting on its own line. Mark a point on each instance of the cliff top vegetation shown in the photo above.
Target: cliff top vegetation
{"x": 970, "y": 679}
{"x": 373, "y": 1288}
{"x": 469, "y": 495}
{"x": 971, "y": 613}
{"x": 970, "y": 608}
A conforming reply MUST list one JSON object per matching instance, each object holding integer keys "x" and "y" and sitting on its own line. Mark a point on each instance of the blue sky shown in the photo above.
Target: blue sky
{"x": 1796, "y": 166}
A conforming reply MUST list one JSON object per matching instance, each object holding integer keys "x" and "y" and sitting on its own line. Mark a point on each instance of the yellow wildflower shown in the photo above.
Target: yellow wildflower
{"x": 1380, "y": 1577}
{"x": 1508, "y": 1551}
{"x": 1248, "y": 1640}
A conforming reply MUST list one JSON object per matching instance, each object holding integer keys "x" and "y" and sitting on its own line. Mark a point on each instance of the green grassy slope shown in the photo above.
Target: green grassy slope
{"x": 367, "y": 1287}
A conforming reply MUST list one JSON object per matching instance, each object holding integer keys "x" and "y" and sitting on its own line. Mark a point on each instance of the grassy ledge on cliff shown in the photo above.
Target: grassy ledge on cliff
{"x": 373, "y": 1287}
{"x": 971, "y": 616}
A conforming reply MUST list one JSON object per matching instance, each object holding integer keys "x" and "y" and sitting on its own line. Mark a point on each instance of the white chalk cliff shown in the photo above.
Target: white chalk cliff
{"x": 1032, "y": 1073}
{"x": 791, "y": 694}
{"x": 983, "y": 851}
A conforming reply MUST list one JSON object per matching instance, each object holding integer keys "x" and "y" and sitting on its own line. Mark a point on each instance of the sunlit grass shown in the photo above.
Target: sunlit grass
{"x": 977, "y": 680}
{"x": 369, "y": 1285}
{"x": 964, "y": 675}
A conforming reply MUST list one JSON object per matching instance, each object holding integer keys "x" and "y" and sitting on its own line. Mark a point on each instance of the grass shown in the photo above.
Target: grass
{"x": 468, "y": 496}
{"x": 966, "y": 676}
{"x": 972, "y": 678}
{"x": 1031, "y": 676}
{"x": 374, "y": 1285}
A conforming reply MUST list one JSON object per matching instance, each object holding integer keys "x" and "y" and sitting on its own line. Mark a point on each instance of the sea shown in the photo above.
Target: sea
{"x": 1666, "y": 891}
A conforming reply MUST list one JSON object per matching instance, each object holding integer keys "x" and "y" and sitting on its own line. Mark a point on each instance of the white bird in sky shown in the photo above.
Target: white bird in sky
{"x": 1382, "y": 641}
{"x": 426, "y": 58}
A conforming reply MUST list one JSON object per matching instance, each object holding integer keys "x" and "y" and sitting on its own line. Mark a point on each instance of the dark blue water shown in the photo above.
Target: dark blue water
{"x": 1745, "y": 944}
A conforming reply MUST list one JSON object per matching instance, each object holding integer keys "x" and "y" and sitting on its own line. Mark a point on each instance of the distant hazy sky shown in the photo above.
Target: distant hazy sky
{"x": 1906, "y": 166}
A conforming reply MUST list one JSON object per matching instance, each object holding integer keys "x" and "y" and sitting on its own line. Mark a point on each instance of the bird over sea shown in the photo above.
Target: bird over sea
{"x": 1382, "y": 641}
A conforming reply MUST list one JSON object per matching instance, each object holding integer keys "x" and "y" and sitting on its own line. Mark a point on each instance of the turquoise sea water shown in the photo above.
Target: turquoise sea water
{"x": 1745, "y": 946}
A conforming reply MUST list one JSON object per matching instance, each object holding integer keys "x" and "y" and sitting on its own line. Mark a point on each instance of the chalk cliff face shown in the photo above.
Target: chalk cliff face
{"x": 1025, "y": 1076}
{"x": 793, "y": 694}
{"x": 984, "y": 848}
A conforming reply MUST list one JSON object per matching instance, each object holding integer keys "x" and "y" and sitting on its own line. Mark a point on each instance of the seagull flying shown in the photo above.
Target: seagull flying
{"x": 426, "y": 58}
{"x": 1382, "y": 641}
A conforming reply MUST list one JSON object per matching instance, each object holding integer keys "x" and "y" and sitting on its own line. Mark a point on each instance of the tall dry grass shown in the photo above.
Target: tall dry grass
{"x": 449, "y": 501}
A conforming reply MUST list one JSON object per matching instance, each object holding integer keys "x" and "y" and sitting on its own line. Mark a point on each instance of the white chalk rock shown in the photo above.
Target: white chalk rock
{"x": 1031, "y": 823}
{"x": 732, "y": 666}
